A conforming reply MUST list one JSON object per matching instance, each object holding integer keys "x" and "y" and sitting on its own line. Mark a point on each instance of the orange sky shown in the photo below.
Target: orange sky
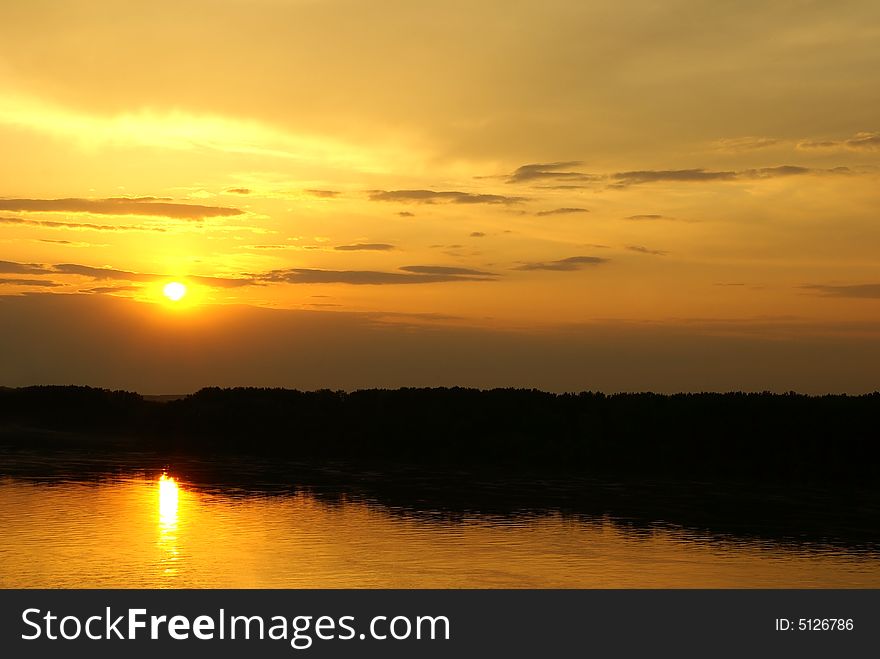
{"x": 707, "y": 169}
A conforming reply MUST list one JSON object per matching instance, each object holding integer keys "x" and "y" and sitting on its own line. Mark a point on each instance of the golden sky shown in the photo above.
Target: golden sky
{"x": 555, "y": 169}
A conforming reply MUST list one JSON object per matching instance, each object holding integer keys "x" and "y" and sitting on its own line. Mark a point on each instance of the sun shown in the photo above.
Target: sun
{"x": 174, "y": 291}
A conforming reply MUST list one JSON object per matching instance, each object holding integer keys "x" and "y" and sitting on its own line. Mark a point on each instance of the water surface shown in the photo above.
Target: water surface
{"x": 140, "y": 530}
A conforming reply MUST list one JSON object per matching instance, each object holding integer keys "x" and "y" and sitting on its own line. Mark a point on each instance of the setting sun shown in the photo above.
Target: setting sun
{"x": 174, "y": 291}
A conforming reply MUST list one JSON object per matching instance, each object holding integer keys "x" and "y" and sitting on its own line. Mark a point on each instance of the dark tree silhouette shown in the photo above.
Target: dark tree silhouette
{"x": 737, "y": 436}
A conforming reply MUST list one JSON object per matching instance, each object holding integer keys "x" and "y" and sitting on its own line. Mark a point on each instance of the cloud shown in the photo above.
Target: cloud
{"x": 818, "y": 144}
{"x": 11, "y": 267}
{"x": 222, "y": 282}
{"x": 792, "y": 170}
{"x": 566, "y": 187}
{"x": 654, "y": 217}
{"x": 644, "y": 250}
{"x": 70, "y": 243}
{"x": 125, "y": 275}
{"x": 677, "y": 175}
{"x": 564, "y": 265}
{"x": 78, "y": 226}
{"x": 102, "y": 273}
{"x": 748, "y": 143}
{"x": 477, "y": 234}
{"x": 410, "y": 275}
{"x": 113, "y": 274}
{"x": 859, "y": 142}
{"x": 866, "y": 291}
{"x": 431, "y": 197}
{"x": 177, "y": 129}
{"x": 239, "y": 190}
{"x": 28, "y": 282}
{"x": 773, "y": 172}
{"x": 549, "y": 171}
{"x": 406, "y": 214}
{"x": 151, "y": 206}
{"x": 624, "y": 179}
{"x": 104, "y": 290}
{"x": 444, "y": 270}
{"x": 368, "y": 247}
{"x": 869, "y": 141}
{"x": 561, "y": 211}
{"x": 326, "y": 194}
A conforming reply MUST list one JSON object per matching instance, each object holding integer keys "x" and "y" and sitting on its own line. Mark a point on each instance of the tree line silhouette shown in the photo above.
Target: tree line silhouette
{"x": 764, "y": 436}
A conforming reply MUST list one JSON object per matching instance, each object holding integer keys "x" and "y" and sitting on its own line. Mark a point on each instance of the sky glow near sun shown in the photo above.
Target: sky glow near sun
{"x": 573, "y": 163}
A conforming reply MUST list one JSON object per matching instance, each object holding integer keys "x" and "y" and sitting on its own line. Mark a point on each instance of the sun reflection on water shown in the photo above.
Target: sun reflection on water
{"x": 169, "y": 497}
{"x": 168, "y": 500}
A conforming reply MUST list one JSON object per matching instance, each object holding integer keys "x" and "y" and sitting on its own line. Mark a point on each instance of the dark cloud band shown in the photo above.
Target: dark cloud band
{"x": 564, "y": 265}
{"x": 432, "y": 197}
{"x": 150, "y": 206}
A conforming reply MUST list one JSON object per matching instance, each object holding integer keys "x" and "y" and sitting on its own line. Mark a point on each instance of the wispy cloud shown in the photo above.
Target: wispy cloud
{"x": 676, "y": 175}
{"x": 44, "y": 283}
{"x": 326, "y": 194}
{"x": 564, "y": 265}
{"x": 866, "y": 141}
{"x": 113, "y": 274}
{"x": 623, "y": 179}
{"x": 445, "y": 270}
{"x": 408, "y": 275}
{"x": 648, "y": 217}
{"x": 80, "y": 226}
{"x": 222, "y": 282}
{"x": 12, "y": 267}
{"x": 644, "y": 250}
{"x": 69, "y": 243}
{"x": 365, "y": 247}
{"x": 747, "y": 143}
{"x": 180, "y": 130}
{"x": 109, "y": 290}
{"x": 552, "y": 171}
{"x": 151, "y": 206}
{"x": 561, "y": 211}
{"x": 781, "y": 170}
{"x": 102, "y": 273}
{"x": 432, "y": 197}
{"x": 854, "y": 290}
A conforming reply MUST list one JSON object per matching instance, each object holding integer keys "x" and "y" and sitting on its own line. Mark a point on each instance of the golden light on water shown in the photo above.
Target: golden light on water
{"x": 169, "y": 497}
{"x": 168, "y": 501}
